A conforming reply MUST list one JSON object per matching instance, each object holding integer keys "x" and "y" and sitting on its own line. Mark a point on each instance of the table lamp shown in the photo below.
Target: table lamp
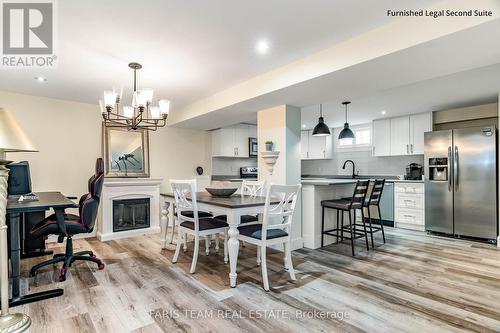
{"x": 12, "y": 139}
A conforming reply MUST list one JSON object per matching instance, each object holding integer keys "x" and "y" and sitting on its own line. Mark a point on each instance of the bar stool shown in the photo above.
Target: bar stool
{"x": 374, "y": 200}
{"x": 341, "y": 205}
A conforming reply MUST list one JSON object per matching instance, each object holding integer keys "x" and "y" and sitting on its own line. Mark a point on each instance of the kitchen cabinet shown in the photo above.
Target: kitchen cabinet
{"x": 409, "y": 206}
{"x": 232, "y": 141}
{"x": 400, "y": 135}
{"x": 381, "y": 137}
{"x": 315, "y": 147}
{"x": 419, "y": 124}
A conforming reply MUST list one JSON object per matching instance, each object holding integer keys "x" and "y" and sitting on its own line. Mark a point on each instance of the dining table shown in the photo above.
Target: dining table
{"x": 233, "y": 207}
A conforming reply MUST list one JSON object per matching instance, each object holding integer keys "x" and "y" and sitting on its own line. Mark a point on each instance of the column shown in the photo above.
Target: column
{"x": 281, "y": 124}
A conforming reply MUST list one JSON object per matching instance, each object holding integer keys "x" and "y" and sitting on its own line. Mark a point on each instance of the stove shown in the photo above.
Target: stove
{"x": 248, "y": 172}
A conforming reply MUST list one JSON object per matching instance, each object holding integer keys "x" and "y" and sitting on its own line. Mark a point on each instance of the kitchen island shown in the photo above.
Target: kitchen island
{"x": 313, "y": 192}
{"x": 405, "y": 212}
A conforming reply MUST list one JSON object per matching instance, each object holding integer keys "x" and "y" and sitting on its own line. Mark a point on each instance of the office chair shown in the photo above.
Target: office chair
{"x": 68, "y": 225}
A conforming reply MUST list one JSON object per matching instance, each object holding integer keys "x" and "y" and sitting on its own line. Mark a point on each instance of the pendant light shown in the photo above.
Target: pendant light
{"x": 346, "y": 133}
{"x": 321, "y": 129}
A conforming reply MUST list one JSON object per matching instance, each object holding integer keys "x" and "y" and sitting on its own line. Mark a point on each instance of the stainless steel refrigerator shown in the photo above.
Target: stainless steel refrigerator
{"x": 461, "y": 182}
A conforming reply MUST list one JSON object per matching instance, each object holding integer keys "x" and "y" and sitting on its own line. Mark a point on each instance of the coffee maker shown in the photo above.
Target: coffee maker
{"x": 414, "y": 171}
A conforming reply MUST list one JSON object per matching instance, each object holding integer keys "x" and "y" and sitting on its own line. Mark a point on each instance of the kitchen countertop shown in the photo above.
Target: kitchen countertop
{"x": 333, "y": 180}
{"x": 230, "y": 178}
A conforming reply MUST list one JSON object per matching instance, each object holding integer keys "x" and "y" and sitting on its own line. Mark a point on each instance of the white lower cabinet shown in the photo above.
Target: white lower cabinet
{"x": 409, "y": 206}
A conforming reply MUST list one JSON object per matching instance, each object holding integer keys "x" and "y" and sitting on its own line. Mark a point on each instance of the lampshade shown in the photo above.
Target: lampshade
{"x": 109, "y": 98}
{"x": 12, "y": 137}
{"x": 164, "y": 105}
{"x": 147, "y": 94}
{"x": 346, "y": 133}
{"x": 321, "y": 129}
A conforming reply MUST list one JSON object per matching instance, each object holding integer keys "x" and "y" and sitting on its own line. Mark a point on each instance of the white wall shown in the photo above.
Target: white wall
{"x": 68, "y": 137}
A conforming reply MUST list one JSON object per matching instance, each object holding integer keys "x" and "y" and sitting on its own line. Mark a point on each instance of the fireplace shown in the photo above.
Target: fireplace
{"x": 131, "y": 214}
{"x": 129, "y": 207}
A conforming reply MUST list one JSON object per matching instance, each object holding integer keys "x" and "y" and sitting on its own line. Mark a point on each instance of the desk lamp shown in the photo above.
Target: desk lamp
{"x": 12, "y": 139}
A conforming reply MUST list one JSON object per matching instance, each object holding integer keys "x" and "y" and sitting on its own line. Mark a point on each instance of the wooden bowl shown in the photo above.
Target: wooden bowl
{"x": 222, "y": 192}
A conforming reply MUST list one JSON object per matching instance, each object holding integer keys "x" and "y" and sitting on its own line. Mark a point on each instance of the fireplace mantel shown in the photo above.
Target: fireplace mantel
{"x": 128, "y": 188}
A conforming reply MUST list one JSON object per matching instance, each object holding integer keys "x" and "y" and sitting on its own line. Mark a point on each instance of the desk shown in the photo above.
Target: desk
{"x": 48, "y": 200}
{"x": 234, "y": 207}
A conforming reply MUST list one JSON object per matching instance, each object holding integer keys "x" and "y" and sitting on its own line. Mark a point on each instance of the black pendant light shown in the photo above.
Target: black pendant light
{"x": 346, "y": 133}
{"x": 321, "y": 129}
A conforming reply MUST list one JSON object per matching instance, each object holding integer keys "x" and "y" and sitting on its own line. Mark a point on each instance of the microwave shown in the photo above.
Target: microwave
{"x": 253, "y": 147}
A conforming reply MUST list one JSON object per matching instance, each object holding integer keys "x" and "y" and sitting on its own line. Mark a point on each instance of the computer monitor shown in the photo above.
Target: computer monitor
{"x": 19, "y": 178}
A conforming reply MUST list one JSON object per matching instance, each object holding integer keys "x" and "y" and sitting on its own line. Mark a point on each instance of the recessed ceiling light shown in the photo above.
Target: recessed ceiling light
{"x": 383, "y": 112}
{"x": 303, "y": 125}
{"x": 40, "y": 79}
{"x": 262, "y": 46}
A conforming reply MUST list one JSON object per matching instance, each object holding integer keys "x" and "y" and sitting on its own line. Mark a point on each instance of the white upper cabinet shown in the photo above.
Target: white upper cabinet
{"x": 381, "y": 137}
{"x": 401, "y": 135}
{"x": 241, "y": 135}
{"x": 315, "y": 147}
{"x": 222, "y": 142}
{"x": 232, "y": 141}
{"x": 419, "y": 124}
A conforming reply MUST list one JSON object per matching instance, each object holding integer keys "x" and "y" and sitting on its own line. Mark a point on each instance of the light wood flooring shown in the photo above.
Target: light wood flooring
{"x": 413, "y": 283}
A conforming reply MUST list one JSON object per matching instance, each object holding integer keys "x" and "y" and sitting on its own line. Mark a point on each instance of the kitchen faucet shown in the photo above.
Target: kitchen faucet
{"x": 353, "y": 168}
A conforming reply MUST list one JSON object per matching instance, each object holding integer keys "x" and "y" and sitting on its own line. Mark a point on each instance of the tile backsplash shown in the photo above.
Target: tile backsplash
{"x": 227, "y": 166}
{"x": 365, "y": 163}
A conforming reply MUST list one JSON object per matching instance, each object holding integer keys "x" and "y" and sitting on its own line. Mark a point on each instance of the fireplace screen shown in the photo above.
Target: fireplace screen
{"x": 130, "y": 214}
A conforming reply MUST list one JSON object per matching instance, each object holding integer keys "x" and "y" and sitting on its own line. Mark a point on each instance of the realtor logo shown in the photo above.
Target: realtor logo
{"x": 28, "y": 34}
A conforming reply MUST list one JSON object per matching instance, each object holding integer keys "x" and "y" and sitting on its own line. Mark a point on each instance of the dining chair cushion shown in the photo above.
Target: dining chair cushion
{"x": 255, "y": 231}
{"x": 243, "y": 218}
{"x": 190, "y": 214}
{"x": 205, "y": 224}
{"x": 340, "y": 204}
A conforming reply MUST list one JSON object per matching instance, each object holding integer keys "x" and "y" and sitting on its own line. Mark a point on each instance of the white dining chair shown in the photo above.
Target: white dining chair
{"x": 252, "y": 188}
{"x": 265, "y": 234}
{"x": 191, "y": 222}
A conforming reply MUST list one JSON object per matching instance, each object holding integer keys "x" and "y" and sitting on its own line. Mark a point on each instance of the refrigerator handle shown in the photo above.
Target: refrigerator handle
{"x": 456, "y": 169}
{"x": 449, "y": 169}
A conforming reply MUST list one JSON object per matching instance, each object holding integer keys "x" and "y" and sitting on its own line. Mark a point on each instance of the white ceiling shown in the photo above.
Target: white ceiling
{"x": 467, "y": 88}
{"x": 460, "y": 69}
{"x": 189, "y": 49}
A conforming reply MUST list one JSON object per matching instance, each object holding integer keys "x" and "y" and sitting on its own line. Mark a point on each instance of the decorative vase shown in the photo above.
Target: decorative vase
{"x": 269, "y": 146}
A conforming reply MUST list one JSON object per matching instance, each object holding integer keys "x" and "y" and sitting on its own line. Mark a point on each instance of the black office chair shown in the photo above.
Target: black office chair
{"x": 67, "y": 225}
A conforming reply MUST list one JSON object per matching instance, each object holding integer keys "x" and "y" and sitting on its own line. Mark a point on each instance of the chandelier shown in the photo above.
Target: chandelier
{"x": 140, "y": 114}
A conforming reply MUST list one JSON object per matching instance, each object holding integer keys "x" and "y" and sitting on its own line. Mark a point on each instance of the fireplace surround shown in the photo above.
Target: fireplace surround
{"x": 129, "y": 207}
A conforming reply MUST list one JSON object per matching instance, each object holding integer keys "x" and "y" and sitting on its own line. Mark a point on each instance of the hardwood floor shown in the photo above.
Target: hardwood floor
{"x": 413, "y": 283}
